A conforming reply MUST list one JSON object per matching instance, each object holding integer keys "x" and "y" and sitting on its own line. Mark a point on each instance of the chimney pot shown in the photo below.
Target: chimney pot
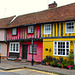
{"x": 53, "y": 5}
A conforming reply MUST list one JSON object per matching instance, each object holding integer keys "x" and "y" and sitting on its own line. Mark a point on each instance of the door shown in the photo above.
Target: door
{"x": 24, "y": 51}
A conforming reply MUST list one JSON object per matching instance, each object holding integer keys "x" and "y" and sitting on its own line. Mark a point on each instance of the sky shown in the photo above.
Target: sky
{"x": 19, "y": 7}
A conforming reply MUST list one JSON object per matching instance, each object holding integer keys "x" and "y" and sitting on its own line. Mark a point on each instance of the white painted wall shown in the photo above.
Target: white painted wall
{"x": 2, "y": 34}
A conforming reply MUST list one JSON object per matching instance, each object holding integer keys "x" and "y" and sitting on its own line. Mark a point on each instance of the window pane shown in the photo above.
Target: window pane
{"x": 61, "y": 49}
{"x": 13, "y": 47}
{"x": 47, "y": 29}
{"x": 67, "y": 51}
{"x": 34, "y": 49}
{"x": 70, "y": 27}
{"x": 16, "y": 47}
{"x": 30, "y": 29}
{"x": 14, "y": 31}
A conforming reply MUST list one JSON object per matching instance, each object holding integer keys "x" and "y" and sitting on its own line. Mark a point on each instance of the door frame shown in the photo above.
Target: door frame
{"x": 22, "y": 48}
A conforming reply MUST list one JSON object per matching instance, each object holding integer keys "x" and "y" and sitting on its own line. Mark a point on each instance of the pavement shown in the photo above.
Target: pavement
{"x": 10, "y": 65}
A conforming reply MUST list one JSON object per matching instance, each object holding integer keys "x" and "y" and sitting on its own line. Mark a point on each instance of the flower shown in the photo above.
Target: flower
{"x": 69, "y": 66}
{"x": 59, "y": 63}
{"x": 7, "y": 57}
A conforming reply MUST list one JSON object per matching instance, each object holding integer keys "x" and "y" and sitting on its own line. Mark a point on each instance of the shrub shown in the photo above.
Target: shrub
{"x": 71, "y": 57}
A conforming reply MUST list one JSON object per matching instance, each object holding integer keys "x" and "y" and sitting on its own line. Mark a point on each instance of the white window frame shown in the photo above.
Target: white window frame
{"x": 30, "y": 51}
{"x": 14, "y": 31}
{"x": 29, "y": 29}
{"x": 57, "y": 48}
{"x": 45, "y": 30}
{"x": 15, "y": 47}
{"x": 66, "y": 27}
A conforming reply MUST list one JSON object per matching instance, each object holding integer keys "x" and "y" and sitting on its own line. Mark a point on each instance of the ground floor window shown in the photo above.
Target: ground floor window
{"x": 34, "y": 49}
{"x": 14, "y": 47}
{"x": 61, "y": 48}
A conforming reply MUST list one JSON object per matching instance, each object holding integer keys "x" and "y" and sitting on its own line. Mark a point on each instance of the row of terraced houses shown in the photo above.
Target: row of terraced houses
{"x": 53, "y": 31}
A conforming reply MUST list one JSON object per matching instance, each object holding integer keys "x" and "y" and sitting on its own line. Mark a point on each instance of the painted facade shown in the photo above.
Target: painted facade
{"x": 53, "y": 31}
{"x": 58, "y": 35}
{"x": 24, "y": 38}
{"x": 3, "y": 45}
{"x": 22, "y": 33}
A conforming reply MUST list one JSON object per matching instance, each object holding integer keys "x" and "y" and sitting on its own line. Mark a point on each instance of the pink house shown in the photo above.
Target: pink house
{"x": 20, "y": 42}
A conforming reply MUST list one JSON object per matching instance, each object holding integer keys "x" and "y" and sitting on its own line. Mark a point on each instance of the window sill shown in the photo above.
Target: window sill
{"x": 33, "y": 54}
{"x": 30, "y": 33}
{"x": 69, "y": 32}
{"x": 46, "y": 33}
{"x": 14, "y": 34}
{"x": 13, "y": 52}
{"x": 61, "y": 55}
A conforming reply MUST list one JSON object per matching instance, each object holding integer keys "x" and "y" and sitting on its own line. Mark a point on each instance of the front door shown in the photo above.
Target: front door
{"x": 24, "y": 51}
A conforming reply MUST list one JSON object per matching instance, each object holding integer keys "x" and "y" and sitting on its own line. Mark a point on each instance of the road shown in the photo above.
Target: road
{"x": 25, "y": 71}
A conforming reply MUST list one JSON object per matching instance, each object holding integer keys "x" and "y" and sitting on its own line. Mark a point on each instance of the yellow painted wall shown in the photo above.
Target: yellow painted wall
{"x": 48, "y": 43}
{"x": 64, "y": 30}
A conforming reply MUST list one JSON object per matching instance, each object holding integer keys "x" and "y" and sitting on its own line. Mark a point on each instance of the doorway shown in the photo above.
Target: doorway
{"x": 24, "y": 51}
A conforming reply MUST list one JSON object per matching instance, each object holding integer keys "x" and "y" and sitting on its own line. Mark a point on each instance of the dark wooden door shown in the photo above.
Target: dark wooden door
{"x": 24, "y": 51}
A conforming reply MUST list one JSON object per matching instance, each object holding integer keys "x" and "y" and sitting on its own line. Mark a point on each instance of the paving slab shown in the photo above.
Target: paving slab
{"x": 9, "y": 65}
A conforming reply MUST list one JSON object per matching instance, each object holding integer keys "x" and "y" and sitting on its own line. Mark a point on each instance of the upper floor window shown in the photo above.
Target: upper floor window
{"x": 14, "y": 47}
{"x": 69, "y": 27}
{"x": 30, "y": 29}
{"x": 34, "y": 49}
{"x": 14, "y": 31}
{"x": 61, "y": 48}
{"x": 47, "y": 29}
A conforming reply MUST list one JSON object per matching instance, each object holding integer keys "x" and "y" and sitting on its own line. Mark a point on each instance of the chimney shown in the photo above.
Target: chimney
{"x": 53, "y": 5}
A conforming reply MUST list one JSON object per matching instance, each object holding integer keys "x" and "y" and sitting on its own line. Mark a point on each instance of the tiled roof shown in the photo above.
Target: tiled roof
{"x": 5, "y": 21}
{"x": 62, "y": 13}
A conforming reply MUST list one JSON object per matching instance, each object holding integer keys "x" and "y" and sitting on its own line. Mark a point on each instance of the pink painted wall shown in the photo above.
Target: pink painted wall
{"x": 38, "y": 56}
{"x": 22, "y": 33}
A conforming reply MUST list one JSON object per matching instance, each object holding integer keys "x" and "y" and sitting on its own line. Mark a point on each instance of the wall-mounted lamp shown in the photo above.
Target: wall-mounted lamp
{"x": 71, "y": 42}
{"x": 50, "y": 50}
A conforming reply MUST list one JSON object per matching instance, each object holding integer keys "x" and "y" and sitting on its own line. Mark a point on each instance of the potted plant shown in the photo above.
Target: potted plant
{"x": 65, "y": 65}
{"x": 69, "y": 66}
{"x": 62, "y": 64}
{"x": 47, "y": 62}
{"x": 59, "y": 64}
{"x": 51, "y": 63}
{"x": 43, "y": 62}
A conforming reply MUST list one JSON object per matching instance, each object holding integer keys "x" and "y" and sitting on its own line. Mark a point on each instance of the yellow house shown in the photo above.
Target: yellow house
{"x": 59, "y": 34}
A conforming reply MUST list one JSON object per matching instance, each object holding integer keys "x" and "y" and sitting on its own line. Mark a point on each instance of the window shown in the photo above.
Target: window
{"x": 47, "y": 29}
{"x": 34, "y": 49}
{"x": 14, "y": 47}
{"x": 14, "y": 31}
{"x": 30, "y": 29}
{"x": 61, "y": 48}
{"x": 70, "y": 27}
